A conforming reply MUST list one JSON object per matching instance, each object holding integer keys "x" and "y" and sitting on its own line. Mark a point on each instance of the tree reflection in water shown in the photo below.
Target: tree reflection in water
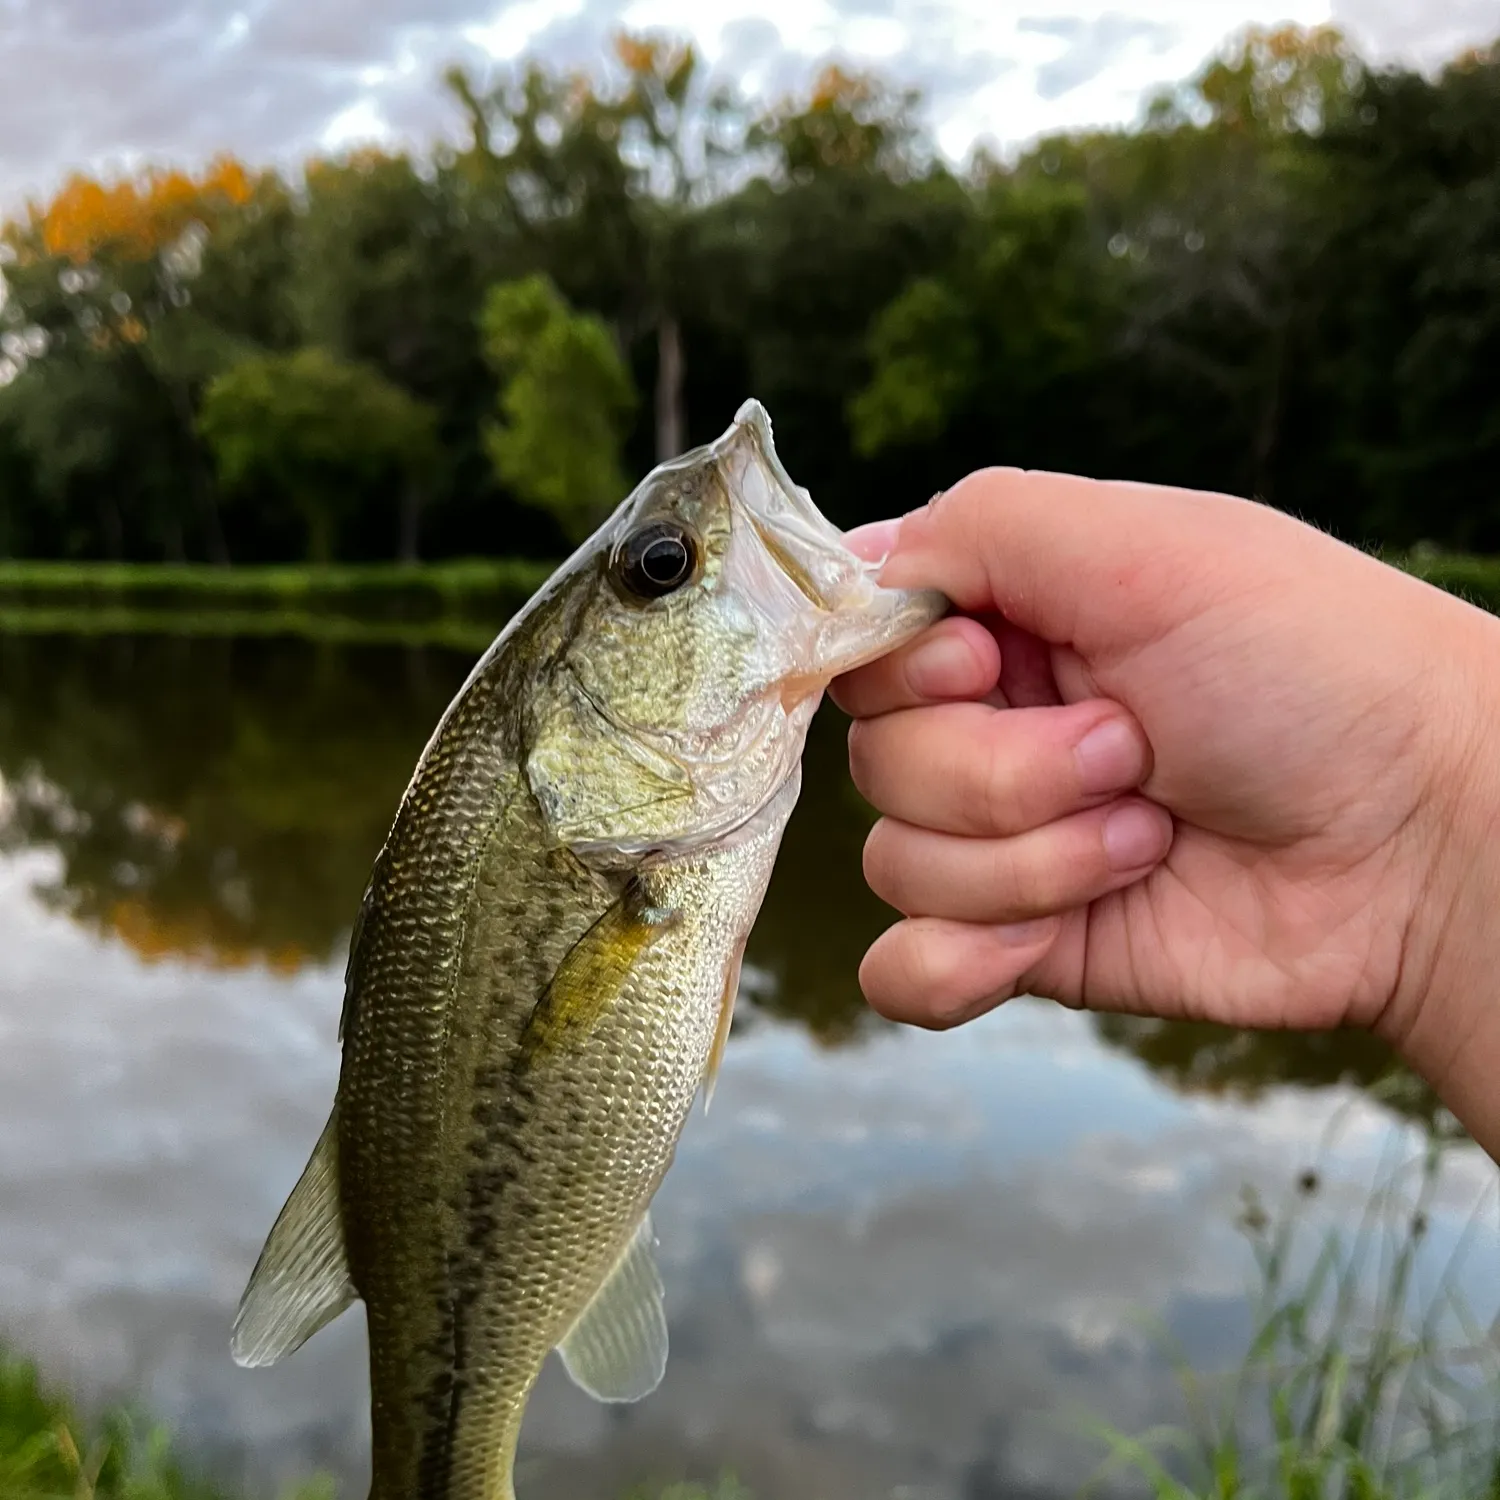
{"x": 220, "y": 800}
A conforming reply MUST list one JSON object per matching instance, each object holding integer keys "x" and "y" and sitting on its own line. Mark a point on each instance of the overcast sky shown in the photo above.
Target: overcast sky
{"x": 105, "y": 84}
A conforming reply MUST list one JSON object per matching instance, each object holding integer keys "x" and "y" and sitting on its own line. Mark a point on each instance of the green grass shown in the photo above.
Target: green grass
{"x": 48, "y": 1453}
{"x": 1359, "y": 1384}
{"x": 449, "y": 584}
{"x": 1476, "y": 579}
{"x": 453, "y": 632}
{"x": 1365, "y": 1380}
{"x": 459, "y": 605}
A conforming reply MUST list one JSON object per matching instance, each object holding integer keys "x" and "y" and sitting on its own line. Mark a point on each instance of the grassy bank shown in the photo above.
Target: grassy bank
{"x": 47, "y": 1452}
{"x": 1476, "y": 579}
{"x": 1362, "y": 1380}
{"x": 462, "y": 585}
{"x": 468, "y": 632}
{"x": 459, "y": 586}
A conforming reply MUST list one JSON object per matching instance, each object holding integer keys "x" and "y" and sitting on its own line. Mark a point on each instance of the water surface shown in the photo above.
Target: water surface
{"x": 897, "y": 1264}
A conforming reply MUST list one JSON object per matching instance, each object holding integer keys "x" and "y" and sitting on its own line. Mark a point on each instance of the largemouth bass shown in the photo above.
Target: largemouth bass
{"x": 544, "y": 965}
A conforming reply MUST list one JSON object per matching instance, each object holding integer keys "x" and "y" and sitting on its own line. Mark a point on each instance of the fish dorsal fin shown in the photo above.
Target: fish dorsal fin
{"x": 301, "y": 1280}
{"x": 617, "y": 1350}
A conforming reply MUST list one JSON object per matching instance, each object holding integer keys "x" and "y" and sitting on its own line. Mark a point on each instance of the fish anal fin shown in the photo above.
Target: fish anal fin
{"x": 301, "y": 1281}
{"x": 617, "y": 1350}
{"x": 726, "y": 1019}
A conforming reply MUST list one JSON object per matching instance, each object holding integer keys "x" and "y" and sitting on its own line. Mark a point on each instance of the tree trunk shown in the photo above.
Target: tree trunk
{"x": 319, "y": 534}
{"x": 1268, "y": 427}
{"x": 172, "y": 539}
{"x": 213, "y": 529}
{"x": 198, "y": 478}
{"x": 410, "y": 524}
{"x": 110, "y": 524}
{"x": 669, "y": 423}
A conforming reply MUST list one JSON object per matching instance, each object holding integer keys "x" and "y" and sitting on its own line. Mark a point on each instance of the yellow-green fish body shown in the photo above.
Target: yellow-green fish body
{"x": 544, "y": 964}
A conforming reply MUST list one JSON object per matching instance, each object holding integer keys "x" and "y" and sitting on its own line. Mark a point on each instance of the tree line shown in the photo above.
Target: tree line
{"x": 1284, "y": 282}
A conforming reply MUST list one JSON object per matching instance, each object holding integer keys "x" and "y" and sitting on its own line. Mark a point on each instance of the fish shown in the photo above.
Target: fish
{"x": 543, "y": 968}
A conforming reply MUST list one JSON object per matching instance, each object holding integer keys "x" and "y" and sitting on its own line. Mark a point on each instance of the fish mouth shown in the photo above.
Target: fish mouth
{"x": 840, "y": 616}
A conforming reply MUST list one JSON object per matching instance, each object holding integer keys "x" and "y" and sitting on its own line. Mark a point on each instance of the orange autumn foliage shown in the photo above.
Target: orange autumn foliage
{"x": 834, "y": 87}
{"x": 137, "y": 218}
{"x": 197, "y": 936}
{"x": 658, "y": 58}
{"x": 638, "y": 54}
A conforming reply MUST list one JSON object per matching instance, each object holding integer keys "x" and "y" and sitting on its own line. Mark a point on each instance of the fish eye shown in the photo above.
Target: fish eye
{"x": 656, "y": 560}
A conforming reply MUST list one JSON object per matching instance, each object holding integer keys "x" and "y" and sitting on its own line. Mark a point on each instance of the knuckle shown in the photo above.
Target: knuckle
{"x": 861, "y": 757}
{"x": 1027, "y": 877}
{"x": 878, "y": 862}
{"x": 997, "y": 797}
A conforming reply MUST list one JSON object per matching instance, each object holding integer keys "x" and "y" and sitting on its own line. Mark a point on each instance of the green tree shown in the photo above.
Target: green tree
{"x": 318, "y": 432}
{"x": 848, "y": 122}
{"x": 387, "y": 269}
{"x": 806, "y": 256}
{"x": 1003, "y": 357}
{"x": 1406, "y": 309}
{"x": 100, "y": 285}
{"x": 565, "y": 395}
{"x": 605, "y": 179}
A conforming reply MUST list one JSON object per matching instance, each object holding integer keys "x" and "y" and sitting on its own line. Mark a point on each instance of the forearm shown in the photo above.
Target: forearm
{"x": 1447, "y": 1025}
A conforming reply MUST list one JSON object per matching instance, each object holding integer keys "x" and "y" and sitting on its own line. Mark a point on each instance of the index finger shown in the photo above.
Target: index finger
{"x": 1069, "y": 559}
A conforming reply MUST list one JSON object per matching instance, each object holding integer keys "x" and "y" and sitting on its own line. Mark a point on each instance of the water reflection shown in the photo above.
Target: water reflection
{"x": 898, "y": 1264}
{"x": 221, "y": 799}
{"x": 216, "y": 799}
{"x": 1202, "y": 1058}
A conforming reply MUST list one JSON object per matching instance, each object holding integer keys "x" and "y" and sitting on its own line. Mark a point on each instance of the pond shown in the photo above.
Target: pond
{"x": 897, "y": 1264}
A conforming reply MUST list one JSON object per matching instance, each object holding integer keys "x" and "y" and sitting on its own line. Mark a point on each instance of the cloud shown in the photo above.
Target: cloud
{"x": 106, "y": 84}
{"x": 1416, "y": 31}
{"x": 112, "y": 84}
{"x": 1093, "y": 46}
{"x": 124, "y": 81}
{"x": 868, "y": 1254}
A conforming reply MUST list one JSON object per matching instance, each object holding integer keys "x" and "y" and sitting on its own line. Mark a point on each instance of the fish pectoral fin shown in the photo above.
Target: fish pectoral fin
{"x": 301, "y": 1280}
{"x": 617, "y": 1350}
{"x": 590, "y": 978}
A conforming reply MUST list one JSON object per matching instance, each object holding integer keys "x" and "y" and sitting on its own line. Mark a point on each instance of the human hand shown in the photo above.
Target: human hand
{"x": 1182, "y": 756}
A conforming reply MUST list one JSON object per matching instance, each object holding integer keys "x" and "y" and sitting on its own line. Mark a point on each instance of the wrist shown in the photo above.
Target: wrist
{"x": 1444, "y": 1018}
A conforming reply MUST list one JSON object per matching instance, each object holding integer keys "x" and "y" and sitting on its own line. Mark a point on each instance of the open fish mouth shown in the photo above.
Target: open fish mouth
{"x": 852, "y": 618}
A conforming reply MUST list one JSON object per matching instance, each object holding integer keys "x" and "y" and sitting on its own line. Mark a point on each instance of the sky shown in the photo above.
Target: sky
{"x": 106, "y": 85}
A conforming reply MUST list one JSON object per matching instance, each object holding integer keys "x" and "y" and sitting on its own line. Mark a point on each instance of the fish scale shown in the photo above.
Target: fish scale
{"x": 543, "y": 968}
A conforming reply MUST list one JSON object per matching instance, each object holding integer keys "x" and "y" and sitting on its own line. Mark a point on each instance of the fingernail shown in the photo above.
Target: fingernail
{"x": 1135, "y": 835}
{"x": 940, "y": 667}
{"x": 875, "y": 542}
{"x": 1110, "y": 757}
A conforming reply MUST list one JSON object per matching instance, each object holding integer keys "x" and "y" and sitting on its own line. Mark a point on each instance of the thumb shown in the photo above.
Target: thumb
{"x": 1071, "y": 560}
